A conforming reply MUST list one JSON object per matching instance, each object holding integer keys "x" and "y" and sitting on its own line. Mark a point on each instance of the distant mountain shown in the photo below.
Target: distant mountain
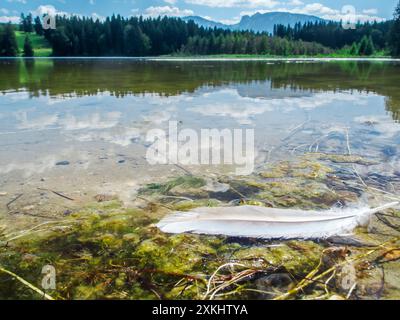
{"x": 206, "y": 23}
{"x": 260, "y": 22}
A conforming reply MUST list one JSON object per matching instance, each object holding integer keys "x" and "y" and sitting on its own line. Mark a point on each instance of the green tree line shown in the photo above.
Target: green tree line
{"x": 364, "y": 39}
{"x": 138, "y": 36}
{"x": 333, "y": 35}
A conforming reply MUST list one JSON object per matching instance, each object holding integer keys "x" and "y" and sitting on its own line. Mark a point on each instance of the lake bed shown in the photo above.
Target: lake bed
{"x": 72, "y": 141}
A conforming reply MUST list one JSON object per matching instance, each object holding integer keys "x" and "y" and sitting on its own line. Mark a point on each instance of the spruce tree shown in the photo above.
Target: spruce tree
{"x": 29, "y": 23}
{"x": 394, "y": 37}
{"x": 38, "y": 26}
{"x": 354, "y": 49}
{"x": 8, "y": 42}
{"x": 28, "y": 50}
{"x": 22, "y": 23}
{"x": 370, "y": 48}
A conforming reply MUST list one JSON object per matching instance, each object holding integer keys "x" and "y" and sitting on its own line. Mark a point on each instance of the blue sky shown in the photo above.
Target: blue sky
{"x": 228, "y": 11}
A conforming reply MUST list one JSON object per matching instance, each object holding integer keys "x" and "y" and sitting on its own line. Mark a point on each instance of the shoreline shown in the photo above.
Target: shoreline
{"x": 205, "y": 58}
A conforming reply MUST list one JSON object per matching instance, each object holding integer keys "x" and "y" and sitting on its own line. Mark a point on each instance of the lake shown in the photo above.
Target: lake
{"x": 93, "y": 115}
{"x": 73, "y": 131}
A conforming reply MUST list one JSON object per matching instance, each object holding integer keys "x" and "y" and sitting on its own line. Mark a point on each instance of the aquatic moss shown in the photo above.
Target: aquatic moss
{"x": 342, "y": 158}
{"x": 183, "y": 182}
{"x": 123, "y": 256}
{"x": 297, "y": 260}
{"x": 106, "y": 251}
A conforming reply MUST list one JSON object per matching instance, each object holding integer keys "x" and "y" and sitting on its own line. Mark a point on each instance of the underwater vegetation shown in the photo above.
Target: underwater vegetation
{"x": 108, "y": 251}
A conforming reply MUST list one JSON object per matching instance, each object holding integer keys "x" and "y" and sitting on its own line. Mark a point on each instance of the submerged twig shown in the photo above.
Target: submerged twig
{"x": 32, "y": 230}
{"x": 213, "y": 290}
{"x": 353, "y": 287}
{"x": 152, "y": 202}
{"x": 13, "y": 200}
{"x": 312, "y": 277}
{"x": 57, "y": 194}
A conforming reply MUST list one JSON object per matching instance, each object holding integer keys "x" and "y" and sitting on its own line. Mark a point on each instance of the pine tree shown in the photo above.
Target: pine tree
{"x": 22, "y": 23}
{"x": 394, "y": 37}
{"x": 28, "y": 50}
{"x": 29, "y": 25}
{"x": 38, "y": 26}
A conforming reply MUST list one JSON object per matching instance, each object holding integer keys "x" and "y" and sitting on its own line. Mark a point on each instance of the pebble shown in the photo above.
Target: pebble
{"x": 28, "y": 208}
{"x": 389, "y": 151}
{"x": 214, "y": 186}
{"x": 3, "y": 194}
{"x": 104, "y": 197}
{"x": 63, "y": 163}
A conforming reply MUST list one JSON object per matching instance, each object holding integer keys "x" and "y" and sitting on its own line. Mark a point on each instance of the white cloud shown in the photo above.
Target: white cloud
{"x": 235, "y": 3}
{"x": 295, "y": 3}
{"x": 234, "y": 20}
{"x": 92, "y": 122}
{"x": 370, "y": 11}
{"x": 37, "y": 165}
{"x": 18, "y": 1}
{"x": 167, "y": 11}
{"x": 70, "y": 122}
{"x": 96, "y": 16}
{"x": 245, "y": 110}
{"x": 48, "y": 9}
{"x": 12, "y": 19}
{"x": 120, "y": 136}
{"x": 39, "y": 123}
{"x": 319, "y": 10}
{"x": 292, "y": 6}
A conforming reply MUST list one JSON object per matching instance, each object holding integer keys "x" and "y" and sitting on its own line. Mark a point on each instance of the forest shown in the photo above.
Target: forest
{"x": 139, "y": 36}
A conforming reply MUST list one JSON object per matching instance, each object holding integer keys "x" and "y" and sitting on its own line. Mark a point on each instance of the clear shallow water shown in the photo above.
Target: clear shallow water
{"x": 76, "y": 128}
{"x": 93, "y": 115}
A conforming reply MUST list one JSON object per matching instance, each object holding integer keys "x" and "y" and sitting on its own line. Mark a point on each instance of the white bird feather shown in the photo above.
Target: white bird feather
{"x": 269, "y": 223}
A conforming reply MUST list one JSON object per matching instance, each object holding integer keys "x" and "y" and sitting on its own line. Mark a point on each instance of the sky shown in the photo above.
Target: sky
{"x": 226, "y": 11}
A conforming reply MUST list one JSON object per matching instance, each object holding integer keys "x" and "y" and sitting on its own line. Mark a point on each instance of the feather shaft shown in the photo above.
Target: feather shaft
{"x": 269, "y": 223}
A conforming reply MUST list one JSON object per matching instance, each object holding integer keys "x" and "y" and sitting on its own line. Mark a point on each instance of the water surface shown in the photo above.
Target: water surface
{"x": 77, "y": 126}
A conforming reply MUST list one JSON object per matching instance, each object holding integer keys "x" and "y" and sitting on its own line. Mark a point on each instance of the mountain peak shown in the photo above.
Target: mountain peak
{"x": 259, "y": 22}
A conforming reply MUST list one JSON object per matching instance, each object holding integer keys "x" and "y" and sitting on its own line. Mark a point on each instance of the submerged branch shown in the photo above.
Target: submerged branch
{"x": 312, "y": 277}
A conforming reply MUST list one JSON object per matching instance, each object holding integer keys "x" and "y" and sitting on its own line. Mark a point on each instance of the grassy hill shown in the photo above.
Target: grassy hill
{"x": 40, "y": 45}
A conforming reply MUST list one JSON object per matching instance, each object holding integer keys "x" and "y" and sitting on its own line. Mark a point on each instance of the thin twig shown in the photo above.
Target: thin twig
{"x": 26, "y": 283}
{"x": 311, "y": 278}
{"x": 57, "y": 194}
{"x": 13, "y": 200}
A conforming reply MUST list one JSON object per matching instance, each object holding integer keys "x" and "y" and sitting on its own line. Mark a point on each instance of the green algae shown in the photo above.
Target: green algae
{"x": 185, "y": 182}
{"x": 304, "y": 168}
{"x": 342, "y": 158}
{"x": 121, "y": 255}
{"x": 295, "y": 257}
{"x": 107, "y": 251}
